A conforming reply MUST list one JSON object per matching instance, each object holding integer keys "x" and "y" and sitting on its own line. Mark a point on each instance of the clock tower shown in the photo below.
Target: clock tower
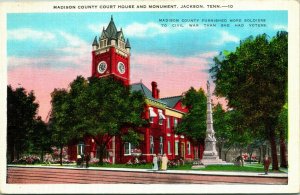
{"x": 111, "y": 54}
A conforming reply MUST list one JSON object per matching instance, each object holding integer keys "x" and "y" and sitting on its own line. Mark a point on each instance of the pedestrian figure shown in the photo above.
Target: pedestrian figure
{"x": 87, "y": 160}
{"x": 48, "y": 159}
{"x": 164, "y": 163}
{"x": 82, "y": 160}
{"x": 240, "y": 161}
{"x": 159, "y": 161}
{"x": 79, "y": 160}
{"x": 267, "y": 163}
{"x": 154, "y": 161}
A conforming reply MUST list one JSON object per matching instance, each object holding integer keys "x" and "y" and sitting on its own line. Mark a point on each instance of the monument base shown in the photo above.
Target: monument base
{"x": 212, "y": 160}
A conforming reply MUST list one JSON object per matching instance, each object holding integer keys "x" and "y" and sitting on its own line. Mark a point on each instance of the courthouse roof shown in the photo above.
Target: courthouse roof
{"x": 111, "y": 30}
{"x": 95, "y": 43}
{"x": 145, "y": 91}
{"x": 172, "y": 101}
{"x": 111, "y": 33}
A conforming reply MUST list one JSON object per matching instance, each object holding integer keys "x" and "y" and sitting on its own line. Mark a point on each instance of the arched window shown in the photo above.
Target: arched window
{"x": 161, "y": 145}
{"x": 151, "y": 145}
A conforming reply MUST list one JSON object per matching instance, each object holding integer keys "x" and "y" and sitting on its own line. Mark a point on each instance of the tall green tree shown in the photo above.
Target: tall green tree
{"x": 282, "y": 131}
{"x": 60, "y": 122}
{"x": 99, "y": 108}
{"x": 21, "y": 115}
{"x": 222, "y": 127}
{"x": 193, "y": 124}
{"x": 40, "y": 138}
{"x": 253, "y": 78}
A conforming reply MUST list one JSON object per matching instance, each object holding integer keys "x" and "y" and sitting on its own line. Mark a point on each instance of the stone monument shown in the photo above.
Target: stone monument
{"x": 210, "y": 154}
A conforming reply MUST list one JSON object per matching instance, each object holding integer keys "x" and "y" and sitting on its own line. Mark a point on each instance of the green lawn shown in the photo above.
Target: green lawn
{"x": 145, "y": 166}
{"x": 187, "y": 166}
{"x": 233, "y": 168}
{"x": 255, "y": 167}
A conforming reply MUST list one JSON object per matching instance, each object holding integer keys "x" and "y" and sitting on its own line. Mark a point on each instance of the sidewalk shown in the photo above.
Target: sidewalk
{"x": 192, "y": 172}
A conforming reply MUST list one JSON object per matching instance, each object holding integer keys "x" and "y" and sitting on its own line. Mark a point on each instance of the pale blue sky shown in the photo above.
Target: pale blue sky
{"x": 84, "y": 25}
{"x": 48, "y": 50}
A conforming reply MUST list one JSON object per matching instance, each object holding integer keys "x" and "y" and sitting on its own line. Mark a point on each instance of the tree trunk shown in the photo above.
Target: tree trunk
{"x": 250, "y": 157}
{"x": 42, "y": 156}
{"x": 220, "y": 151}
{"x": 260, "y": 152}
{"x": 225, "y": 153}
{"x": 283, "y": 159}
{"x": 60, "y": 155}
{"x": 12, "y": 154}
{"x": 273, "y": 149}
{"x": 101, "y": 154}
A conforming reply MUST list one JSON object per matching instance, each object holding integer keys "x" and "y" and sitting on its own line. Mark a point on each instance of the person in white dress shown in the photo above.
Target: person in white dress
{"x": 155, "y": 166}
{"x": 164, "y": 163}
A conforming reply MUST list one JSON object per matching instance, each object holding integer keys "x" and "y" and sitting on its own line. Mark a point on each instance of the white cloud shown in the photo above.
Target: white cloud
{"x": 97, "y": 28}
{"x": 145, "y": 30}
{"x": 73, "y": 52}
{"x": 29, "y": 34}
{"x": 210, "y": 54}
{"x": 225, "y": 38}
{"x": 149, "y": 29}
{"x": 280, "y": 27}
{"x": 73, "y": 44}
{"x": 72, "y": 40}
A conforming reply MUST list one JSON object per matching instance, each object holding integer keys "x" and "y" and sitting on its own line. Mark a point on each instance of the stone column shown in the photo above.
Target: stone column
{"x": 210, "y": 155}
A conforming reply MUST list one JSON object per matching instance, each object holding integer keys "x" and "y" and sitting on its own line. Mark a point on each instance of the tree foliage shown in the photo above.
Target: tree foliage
{"x": 254, "y": 80}
{"x": 21, "y": 115}
{"x": 61, "y": 119}
{"x": 100, "y": 108}
{"x": 282, "y": 132}
{"x": 223, "y": 128}
{"x": 40, "y": 138}
{"x": 193, "y": 124}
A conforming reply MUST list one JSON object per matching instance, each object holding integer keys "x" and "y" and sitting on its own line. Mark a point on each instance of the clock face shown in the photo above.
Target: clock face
{"x": 121, "y": 68}
{"x": 102, "y": 66}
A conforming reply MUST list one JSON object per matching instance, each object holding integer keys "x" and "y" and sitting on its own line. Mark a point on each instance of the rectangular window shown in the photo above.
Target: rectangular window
{"x": 152, "y": 114}
{"x": 175, "y": 122}
{"x": 168, "y": 122}
{"x": 160, "y": 122}
{"x": 151, "y": 119}
{"x": 161, "y": 117}
{"x": 161, "y": 145}
{"x": 151, "y": 145}
{"x": 169, "y": 147}
{"x": 80, "y": 149}
{"x": 176, "y": 147}
{"x": 188, "y": 148}
{"x": 127, "y": 147}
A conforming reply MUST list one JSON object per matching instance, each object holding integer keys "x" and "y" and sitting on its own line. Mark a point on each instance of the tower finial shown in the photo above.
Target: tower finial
{"x": 208, "y": 87}
{"x": 111, "y": 18}
{"x": 95, "y": 42}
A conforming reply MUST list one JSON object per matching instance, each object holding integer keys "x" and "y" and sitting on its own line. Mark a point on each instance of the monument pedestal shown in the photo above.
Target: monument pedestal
{"x": 210, "y": 154}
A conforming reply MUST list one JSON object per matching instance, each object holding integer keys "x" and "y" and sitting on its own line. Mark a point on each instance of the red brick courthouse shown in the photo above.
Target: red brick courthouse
{"x": 111, "y": 56}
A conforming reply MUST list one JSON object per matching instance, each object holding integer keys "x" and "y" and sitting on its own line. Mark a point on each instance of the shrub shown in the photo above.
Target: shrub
{"x": 30, "y": 159}
{"x": 172, "y": 163}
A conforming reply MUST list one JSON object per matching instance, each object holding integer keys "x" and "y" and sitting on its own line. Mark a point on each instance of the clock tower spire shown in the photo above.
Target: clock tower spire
{"x": 111, "y": 54}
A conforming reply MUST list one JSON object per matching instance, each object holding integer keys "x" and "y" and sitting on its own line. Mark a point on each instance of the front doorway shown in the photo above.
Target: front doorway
{"x": 182, "y": 150}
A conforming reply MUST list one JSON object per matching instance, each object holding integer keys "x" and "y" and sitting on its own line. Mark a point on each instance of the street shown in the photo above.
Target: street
{"x": 57, "y": 175}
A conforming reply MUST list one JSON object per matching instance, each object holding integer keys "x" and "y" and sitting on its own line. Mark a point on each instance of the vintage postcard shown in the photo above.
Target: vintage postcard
{"x": 135, "y": 97}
